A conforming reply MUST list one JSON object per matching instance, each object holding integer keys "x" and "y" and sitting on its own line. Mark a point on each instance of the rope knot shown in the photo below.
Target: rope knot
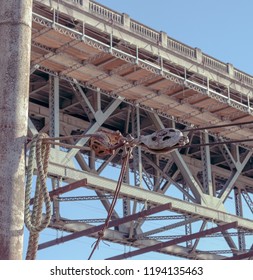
{"x": 101, "y": 234}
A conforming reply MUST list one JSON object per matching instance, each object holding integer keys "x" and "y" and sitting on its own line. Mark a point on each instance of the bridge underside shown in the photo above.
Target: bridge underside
{"x": 84, "y": 79}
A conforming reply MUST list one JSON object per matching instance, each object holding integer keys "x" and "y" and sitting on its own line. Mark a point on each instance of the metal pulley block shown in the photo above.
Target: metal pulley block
{"x": 163, "y": 141}
{"x": 105, "y": 142}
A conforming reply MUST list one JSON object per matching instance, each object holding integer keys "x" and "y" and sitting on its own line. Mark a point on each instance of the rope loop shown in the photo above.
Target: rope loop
{"x": 34, "y": 220}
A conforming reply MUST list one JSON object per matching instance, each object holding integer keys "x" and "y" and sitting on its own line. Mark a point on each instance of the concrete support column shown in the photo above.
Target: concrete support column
{"x": 15, "y": 44}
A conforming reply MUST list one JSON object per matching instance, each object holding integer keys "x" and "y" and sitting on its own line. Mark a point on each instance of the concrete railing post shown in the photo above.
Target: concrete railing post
{"x": 164, "y": 39}
{"x": 126, "y": 21}
{"x": 230, "y": 68}
{"x": 198, "y": 54}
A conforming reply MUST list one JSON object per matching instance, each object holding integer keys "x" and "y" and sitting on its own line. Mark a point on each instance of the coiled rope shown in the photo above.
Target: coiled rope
{"x": 34, "y": 220}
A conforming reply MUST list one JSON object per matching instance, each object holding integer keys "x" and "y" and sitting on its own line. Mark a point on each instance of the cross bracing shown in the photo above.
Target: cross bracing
{"x": 87, "y": 74}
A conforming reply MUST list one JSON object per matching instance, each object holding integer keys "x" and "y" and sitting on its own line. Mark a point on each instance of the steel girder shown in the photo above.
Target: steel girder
{"x": 205, "y": 202}
{"x": 201, "y": 211}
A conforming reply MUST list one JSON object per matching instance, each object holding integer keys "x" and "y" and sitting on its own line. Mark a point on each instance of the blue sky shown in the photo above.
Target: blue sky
{"x": 221, "y": 29}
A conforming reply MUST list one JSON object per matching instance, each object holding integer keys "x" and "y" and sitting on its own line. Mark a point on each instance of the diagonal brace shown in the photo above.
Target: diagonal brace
{"x": 99, "y": 121}
{"x": 68, "y": 188}
{"x": 185, "y": 238}
{"x": 113, "y": 223}
{"x": 246, "y": 255}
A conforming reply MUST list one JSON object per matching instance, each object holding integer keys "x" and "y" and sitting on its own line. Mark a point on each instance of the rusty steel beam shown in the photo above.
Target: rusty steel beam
{"x": 15, "y": 34}
{"x": 185, "y": 238}
{"x": 217, "y": 126}
{"x": 68, "y": 188}
{"x": 113, "y": 223}
{"x": 241, "y": 256}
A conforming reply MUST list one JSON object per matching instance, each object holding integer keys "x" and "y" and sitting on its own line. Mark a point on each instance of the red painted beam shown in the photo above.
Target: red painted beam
{"x": 241, "y": 256}
{"x": 185, "y": 238}
{"x": 113, "y": 223}
{"x": 68, "y": 188}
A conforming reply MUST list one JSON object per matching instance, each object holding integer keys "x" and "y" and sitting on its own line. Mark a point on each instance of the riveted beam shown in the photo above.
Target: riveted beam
{"x": 162, "y": 245}
{"x": 100, "y": 227}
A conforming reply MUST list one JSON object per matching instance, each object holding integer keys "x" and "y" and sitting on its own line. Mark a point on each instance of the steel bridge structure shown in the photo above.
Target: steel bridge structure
{"x": 93, "y": 68}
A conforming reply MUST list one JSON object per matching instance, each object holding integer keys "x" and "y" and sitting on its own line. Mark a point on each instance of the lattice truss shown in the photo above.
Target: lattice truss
{"x": 194, "y": 202}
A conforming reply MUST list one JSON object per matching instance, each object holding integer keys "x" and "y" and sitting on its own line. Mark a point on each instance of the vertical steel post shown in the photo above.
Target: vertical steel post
{"x": 126, "y": 178}
{"x": 15, "y": 34}
{"x": 188, "y": 226}
{"x": 239, "y": 213}
{"x": 54, "y": 107}
{"x": 137, "y": 161}
{"x": 207, "y": 169}
{"x": 54, "y": 131}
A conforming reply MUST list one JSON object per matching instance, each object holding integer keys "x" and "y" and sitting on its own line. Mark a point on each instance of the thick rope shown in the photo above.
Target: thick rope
{"x": 34, "y": 220}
